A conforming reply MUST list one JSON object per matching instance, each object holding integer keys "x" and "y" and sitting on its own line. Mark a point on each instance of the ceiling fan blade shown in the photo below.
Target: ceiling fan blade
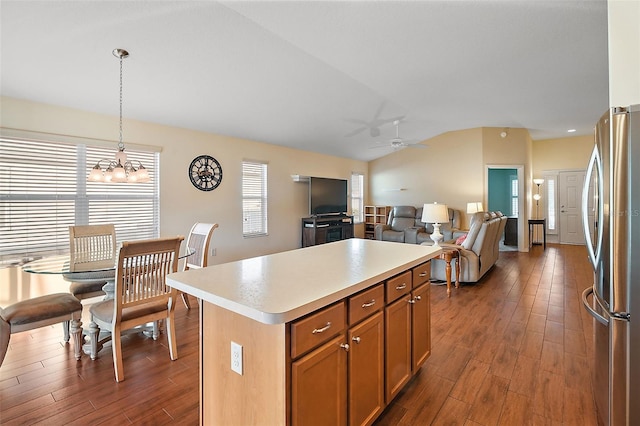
{"x": 355, "y": 132}
{"x": 379, "y": 111}
{"x": 380, "y": 146}
{"x": 357, "y": 121}
{"x": 415, "y": 145}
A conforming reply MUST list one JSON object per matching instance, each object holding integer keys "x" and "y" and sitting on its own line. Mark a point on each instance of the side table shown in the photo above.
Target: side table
{"x": 532, "y": 224}
{"x": 448, "y": 254}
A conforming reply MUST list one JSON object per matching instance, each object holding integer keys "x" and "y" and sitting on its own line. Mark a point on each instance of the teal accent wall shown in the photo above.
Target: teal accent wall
{"x": 500, "y": 190}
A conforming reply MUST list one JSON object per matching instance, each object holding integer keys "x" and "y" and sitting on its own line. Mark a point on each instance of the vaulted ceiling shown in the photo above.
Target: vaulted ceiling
{"x": 323, "y": 76}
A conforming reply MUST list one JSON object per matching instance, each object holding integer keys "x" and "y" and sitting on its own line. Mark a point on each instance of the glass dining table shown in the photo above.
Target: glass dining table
{"x": 61, "y": 265}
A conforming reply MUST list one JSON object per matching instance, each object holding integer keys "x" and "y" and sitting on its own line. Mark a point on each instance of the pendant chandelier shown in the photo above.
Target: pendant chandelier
{"x": 119, "y": 169}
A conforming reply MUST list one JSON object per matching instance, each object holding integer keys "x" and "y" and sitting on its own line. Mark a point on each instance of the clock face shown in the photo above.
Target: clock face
{"x": 205, "y": 173}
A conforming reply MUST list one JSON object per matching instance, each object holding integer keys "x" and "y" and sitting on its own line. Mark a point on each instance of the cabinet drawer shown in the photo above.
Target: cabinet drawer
{"x": 309, "y": 332}
{"x": 421, "y": 274}
{"x": 364, "y": 304}
{"x": 398, "y": 285}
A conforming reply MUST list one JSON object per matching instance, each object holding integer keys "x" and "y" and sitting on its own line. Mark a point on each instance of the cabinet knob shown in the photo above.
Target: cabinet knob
{"x": 418, "y": 298}
{"x": 356, "y": 339}
{"x": 345, "y": 346}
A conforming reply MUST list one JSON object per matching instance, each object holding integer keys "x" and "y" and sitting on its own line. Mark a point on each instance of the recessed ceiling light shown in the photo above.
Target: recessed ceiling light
{"x": 571, "y": 130}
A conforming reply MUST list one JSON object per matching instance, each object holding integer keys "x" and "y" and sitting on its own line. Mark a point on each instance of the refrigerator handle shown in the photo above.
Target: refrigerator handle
{"x": 594, "y": 252}
{"x": 594, "y": 314}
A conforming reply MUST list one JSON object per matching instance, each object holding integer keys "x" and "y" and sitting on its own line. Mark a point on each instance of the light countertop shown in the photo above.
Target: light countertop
{"x": 281, "y": 287}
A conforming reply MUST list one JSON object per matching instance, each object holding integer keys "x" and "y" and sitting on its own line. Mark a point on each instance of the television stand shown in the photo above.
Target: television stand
{"x": 325, "y": 229}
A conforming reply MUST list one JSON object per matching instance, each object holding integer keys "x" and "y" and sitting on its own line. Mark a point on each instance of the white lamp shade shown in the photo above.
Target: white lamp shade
{"x": 474, "y": 207}
{"x": 538, "y": 181}
{"x": 435, "y": 213}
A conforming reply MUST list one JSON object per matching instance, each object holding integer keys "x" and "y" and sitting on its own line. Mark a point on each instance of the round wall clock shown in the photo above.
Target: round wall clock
{"x": 205, "y": 173}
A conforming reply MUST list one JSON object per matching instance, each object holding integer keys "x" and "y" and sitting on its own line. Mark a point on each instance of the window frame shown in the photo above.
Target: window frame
{"x": 259, "y": 195}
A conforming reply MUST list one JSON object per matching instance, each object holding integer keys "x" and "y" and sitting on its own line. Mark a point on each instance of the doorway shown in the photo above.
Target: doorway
{"x": 506, "y": 194}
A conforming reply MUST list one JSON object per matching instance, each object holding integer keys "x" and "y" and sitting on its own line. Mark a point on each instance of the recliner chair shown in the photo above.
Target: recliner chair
{"x": 401, "y": 218}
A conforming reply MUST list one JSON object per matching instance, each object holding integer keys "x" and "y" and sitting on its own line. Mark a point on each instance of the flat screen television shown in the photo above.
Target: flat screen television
{"x": 327, "y": 196}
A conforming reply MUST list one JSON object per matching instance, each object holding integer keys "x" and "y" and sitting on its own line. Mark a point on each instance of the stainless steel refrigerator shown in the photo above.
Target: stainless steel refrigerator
{"x": 611, "y": 218}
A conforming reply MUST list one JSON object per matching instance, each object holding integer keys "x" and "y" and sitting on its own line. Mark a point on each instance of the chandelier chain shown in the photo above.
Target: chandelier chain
{"x": 121, "y": 144}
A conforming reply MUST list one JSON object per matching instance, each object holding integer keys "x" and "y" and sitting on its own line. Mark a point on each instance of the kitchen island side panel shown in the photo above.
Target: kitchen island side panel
{"x": 258, "y": 396}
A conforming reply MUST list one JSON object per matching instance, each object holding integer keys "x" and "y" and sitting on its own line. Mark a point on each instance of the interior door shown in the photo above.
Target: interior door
{"x": 570, "y": 186}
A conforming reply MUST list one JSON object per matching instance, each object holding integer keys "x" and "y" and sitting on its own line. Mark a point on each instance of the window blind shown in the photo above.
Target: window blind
{"x": 514, "y": 196}
{"x": 551, "y": 204}
{"x": 44, "y": 190}
{"x": 357, "y": 197}
{"x": 254, "y": 198}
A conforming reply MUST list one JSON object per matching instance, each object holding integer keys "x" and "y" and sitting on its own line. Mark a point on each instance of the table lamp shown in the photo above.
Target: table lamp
{"x": 474, "y": 207}
{"x": 435, "y": 214}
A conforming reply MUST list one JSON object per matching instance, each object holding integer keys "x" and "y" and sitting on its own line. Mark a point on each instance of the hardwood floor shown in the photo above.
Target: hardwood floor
{"x": 513, "y": 349}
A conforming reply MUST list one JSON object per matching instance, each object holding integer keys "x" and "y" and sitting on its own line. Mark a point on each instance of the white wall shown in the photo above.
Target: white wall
{"x": 624, "y": 52}
{"x": 180, "y": 203}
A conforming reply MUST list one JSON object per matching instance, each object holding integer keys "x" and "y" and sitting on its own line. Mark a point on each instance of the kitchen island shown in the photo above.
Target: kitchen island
{"x": 330, "y": 332}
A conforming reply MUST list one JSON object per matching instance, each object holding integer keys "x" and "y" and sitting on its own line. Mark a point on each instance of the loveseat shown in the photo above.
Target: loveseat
{"x": 478, "y": 252}
{"x": 405, "y": 226}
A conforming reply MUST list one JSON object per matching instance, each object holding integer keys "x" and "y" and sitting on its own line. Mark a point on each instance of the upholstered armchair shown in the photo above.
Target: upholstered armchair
{"x": 478, "y": 252}
{"x": 402, "y": 219}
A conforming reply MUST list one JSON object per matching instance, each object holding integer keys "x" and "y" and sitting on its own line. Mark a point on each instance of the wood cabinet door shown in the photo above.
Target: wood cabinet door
{"x": 420, "y": 326}
{"x": 366, "y": 370}
{"x": 397, "y": 346}
{"x": 319, "y": 386}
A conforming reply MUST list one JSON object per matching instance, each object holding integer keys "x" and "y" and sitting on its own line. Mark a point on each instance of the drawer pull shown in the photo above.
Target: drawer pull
{"x": 345, "y": 346}
{"x": 401, "y": 286}
{"x": 323, "y": 329}
{"x": 369, "y": 304}
{"x": 422, "y": 274}
{"x": 356, "y": 339}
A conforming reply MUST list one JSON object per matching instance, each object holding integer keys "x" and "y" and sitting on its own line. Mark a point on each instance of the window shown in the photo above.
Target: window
{"x": 514, "y": 195}
{"x": 357, "y": 197}
{"x": 44, "y": 190}
{"x": 550, "y": 182}
{"x": 254, "y": 199}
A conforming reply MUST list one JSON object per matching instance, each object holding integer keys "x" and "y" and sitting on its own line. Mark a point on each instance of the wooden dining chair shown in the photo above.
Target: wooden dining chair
{"x": 199, "y": 239}
{"x": 40, "y": 312}
{"x": 92, "y": 248}
{"x": 141, "y": 295}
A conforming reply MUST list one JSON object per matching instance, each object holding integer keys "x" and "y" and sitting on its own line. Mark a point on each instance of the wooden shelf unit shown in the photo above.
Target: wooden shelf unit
{"x": 374, "y": 215}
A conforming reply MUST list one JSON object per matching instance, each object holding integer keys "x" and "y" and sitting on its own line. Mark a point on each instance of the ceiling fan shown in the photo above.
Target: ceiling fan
{"x": 374, "y": 125}
{"x": 398, "y": 142}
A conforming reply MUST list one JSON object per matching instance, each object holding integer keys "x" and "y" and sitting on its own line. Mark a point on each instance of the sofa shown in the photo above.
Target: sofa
{"x": 405, "y": 225}
{"x": 478, "y": 252}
